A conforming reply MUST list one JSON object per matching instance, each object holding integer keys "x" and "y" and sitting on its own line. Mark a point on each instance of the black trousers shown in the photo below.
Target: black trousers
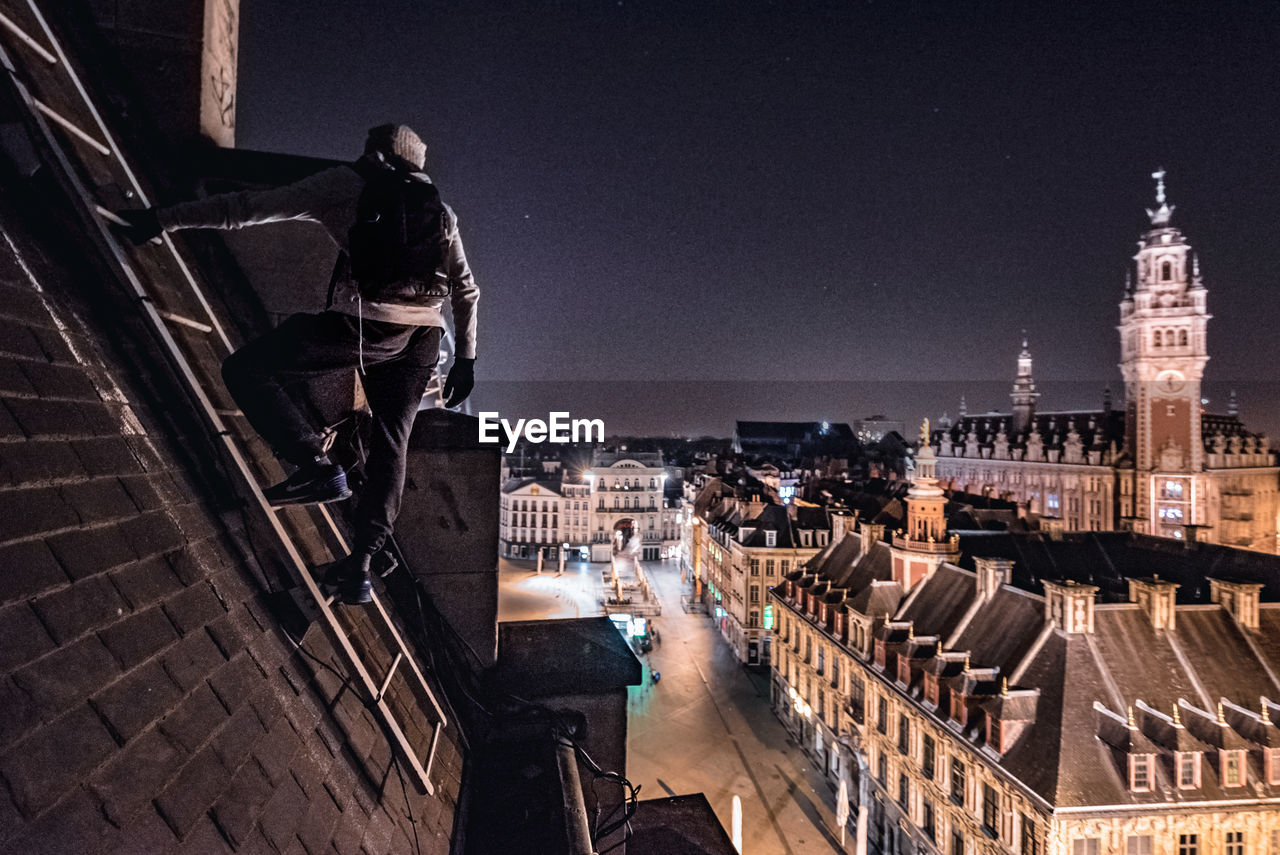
{"x": 265, "y": 377}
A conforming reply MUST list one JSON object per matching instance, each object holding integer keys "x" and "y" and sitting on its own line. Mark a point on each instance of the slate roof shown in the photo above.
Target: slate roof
{"x": 1074, "y": 751}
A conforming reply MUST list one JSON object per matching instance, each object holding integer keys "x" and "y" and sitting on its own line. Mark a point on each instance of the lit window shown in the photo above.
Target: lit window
{"x": 1140, "y": 772}
{"x": 1171, "y": 514}
{"x": 1138, "y": 845}
{"x": 1189, "y": 770}
{"x": 1173, "y": 489}
{"x": 1233, "y": 768}
{"x": 770, "y": 538}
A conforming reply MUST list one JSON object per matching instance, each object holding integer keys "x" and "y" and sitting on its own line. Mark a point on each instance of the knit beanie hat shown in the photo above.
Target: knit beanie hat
{"x": 401, "y": 141}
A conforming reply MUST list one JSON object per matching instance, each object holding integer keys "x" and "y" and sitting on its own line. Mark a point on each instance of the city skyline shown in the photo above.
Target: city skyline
{"x": 829, "y": 191}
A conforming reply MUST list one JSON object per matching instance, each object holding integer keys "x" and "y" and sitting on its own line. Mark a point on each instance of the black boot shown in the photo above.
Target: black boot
{"x": 349, "y": 579}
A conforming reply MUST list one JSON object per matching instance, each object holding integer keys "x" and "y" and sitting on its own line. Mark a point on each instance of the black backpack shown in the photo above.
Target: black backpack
{"x": 397, "y": 245}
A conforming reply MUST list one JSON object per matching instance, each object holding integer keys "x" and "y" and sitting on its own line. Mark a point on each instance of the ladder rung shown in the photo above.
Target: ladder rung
{"x": 391, "y": 672}
{"x": 27, "y": 40}
{"x": 69, "y": 126}
{"x": 229, "y": 413}
{"x": 112, "y": 217}
{"x": 186, "y": 322}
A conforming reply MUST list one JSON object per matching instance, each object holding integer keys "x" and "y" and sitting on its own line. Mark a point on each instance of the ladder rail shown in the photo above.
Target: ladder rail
{"x": 96, "y": 217}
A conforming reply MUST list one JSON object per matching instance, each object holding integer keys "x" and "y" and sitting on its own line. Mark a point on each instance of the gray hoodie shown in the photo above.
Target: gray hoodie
{"x": 330, "y": 198}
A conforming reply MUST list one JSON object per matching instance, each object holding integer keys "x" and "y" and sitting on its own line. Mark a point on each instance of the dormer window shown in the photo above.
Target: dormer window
{"x": 1272, "y": 756}
{"x": 995, "y": 734}
{"x": 931, "y": 689}
{"x": 1232, "y": 768}
{"x": 879, "y": 654}
{"x": 904, "y": 671}
{"x": 1140, "y": 772}
{"x": 770, "y": 538}
{"x": 805, "y": 537}
{"x": 959, "y": 711}
{"x": 1188, "y": 768}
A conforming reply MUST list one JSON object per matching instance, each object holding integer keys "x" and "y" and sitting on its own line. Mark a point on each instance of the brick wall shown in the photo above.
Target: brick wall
{"x": 150, "y": 701}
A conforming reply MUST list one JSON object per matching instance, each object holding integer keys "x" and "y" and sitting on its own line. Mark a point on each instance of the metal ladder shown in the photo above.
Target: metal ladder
{"x": 170, "y": 296}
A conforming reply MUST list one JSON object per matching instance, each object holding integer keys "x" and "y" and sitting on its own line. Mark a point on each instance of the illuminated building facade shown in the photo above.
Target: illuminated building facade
{"x": 1160, "y": 466}
{"x": 975, "y": 703}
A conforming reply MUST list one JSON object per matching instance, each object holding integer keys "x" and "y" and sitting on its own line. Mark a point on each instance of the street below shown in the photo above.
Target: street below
{"x": 706, "y": 725}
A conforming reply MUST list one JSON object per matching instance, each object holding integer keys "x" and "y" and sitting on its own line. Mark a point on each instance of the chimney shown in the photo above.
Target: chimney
{"x": 1240, "y": 599}
{"x": 872, "y": 533}
{"x": 992, "y": 573}
{"x": 1069, "y": 605}
{"x": 1157, "y": 598}
{"x": 839, "y": 519}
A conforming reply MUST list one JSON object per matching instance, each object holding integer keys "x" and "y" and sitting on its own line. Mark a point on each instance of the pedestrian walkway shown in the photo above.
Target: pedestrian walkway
{"x": 707, "y": 727}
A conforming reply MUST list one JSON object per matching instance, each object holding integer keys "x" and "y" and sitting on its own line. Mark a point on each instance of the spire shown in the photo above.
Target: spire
{"x": 1222, "y": 716}
{"x": 1128, "y": 282}
{"x": 1177, "y": 716}
{"x": 1197, "y": 281}
{"x": 1266, "y": 714}
{"x": 964, "y": 408}
{"x": 1004, "y": 686}
{"x": 1133, "y": 724}
{"x": 966, "y": 663}
{"x": 1160, "y": 216}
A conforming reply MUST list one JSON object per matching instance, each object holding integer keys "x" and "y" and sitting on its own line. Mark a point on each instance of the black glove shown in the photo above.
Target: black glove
{"x": 460, "y": 382}
{"x": 143, "y": 225}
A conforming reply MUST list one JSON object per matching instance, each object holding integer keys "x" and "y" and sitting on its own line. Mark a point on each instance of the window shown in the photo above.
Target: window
{"x": 1138, "y": 845}
{"x": 990, "y": 810}
{"x": 882, "y": 715}
{"x": 957, "y": 843}
{"x": 822, "y": 658}
{"x": 1140, "y": 772}
{"x": 755, "y": 566}
{"x": 1030, "y": 843}
{"x": 882, "y": 769}
{"x": 835, "y": 672}
{"x": 957, "y": 781}
{"x": 1166, "y": 271}
{"x": 993, "y": 733}
{"x": 926, "y": 819}
{"x": 1155, "y": 338}
{"x": 1188, "y": 763}
{"x": 1272, "y": 757}
{"x": 904, "y": 734}
{"x": 931, "y": 689}
{"x": 857, "y": 697}
{"x": 1233, "y": 768}
{"x": 755, "y": 593}
{"x": 770, "y": 538}
{"x": 768, "y": 567}
{"x": 904, "y": 790}
{"x": 753, "y": 619}
{"x": 784, "y": 567}
{"x": 1084, "y": 846}
{"x": 1235, "y": 843}
{"x": 1188, "y": 844}
{"x": 926, "y": 763}
{"x": 1182, "y": 338}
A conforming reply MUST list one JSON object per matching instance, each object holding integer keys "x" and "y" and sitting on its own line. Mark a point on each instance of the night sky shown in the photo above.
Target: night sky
{"x": 783, "y": 192}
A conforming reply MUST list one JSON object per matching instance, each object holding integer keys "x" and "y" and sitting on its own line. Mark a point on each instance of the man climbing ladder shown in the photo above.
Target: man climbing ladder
{"x": 400, "y": 258}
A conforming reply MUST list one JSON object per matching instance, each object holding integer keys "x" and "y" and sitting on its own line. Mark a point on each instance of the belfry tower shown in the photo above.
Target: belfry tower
{"x": 1024, "y": 392}
{"x": 1162, "y": 359}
